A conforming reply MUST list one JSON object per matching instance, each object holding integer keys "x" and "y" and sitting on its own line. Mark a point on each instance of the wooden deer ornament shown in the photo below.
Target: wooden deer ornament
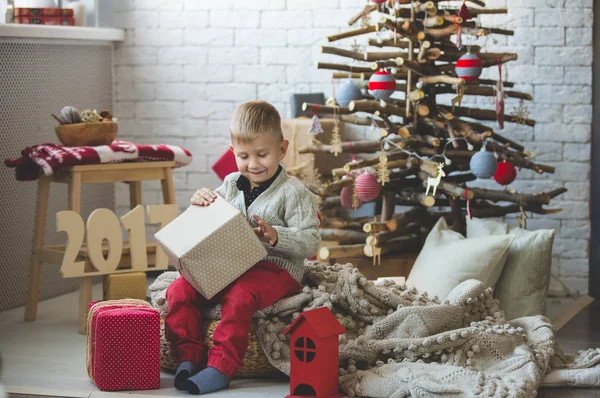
{"x": 435, "y": 181}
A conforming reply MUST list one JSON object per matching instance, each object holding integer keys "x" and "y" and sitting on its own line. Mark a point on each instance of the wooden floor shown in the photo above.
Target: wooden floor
{"x": 55, "y": 339}
{"x": 581, "y": 332}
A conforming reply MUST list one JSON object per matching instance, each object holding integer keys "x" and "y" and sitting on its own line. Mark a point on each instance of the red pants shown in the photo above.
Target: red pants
{"x": 260, "y": 287}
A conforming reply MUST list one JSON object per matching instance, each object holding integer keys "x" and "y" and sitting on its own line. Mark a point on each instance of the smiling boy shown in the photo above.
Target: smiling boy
{"x": 282, "y": 212}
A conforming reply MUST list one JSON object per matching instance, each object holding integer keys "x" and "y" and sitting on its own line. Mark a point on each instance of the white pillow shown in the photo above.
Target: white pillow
{"x": 523, "y": 285}
{"x": 448, "y": 258}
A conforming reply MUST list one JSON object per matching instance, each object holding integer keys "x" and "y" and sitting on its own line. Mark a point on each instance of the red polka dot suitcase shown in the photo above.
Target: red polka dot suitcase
{"x": 123, "y": 345}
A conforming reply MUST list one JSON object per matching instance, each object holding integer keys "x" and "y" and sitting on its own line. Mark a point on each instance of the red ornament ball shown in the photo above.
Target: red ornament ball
{"x": 505, "y": 173}
{"x": 379, "y": 1}
{"x": 346, "y": 198}
{"x": 367, "y": 187}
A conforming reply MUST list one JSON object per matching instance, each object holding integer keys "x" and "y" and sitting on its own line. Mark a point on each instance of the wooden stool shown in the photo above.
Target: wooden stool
{"x": 131, "y": 173}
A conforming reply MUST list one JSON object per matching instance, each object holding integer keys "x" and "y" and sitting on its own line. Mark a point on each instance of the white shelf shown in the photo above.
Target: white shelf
{"x": 61, "y": 32}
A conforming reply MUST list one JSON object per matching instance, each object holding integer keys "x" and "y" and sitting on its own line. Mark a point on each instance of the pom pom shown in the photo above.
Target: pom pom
{"x": 505, "y": 173}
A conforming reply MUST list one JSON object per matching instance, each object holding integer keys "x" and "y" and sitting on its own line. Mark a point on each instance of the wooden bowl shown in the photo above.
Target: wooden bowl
{"x": 87, "y": 134}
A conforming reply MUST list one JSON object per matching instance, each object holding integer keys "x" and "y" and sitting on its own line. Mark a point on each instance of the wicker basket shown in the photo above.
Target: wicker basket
{"x": 256, "y": 363}
{"x": 87, "y": 134}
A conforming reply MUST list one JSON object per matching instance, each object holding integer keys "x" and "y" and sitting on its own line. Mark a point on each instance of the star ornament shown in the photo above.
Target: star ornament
{"x": 357, "y": 48}
{"x": 521, "y": 113}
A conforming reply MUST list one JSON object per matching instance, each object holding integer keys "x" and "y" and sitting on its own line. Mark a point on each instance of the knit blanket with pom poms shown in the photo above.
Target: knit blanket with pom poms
{"x": 401, "y": 343}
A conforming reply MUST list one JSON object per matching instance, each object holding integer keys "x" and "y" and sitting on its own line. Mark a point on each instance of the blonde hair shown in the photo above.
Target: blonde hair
{"x": 253, "y": 119}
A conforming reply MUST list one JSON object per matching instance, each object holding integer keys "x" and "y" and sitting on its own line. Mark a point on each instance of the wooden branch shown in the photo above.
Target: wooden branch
{"x": 480, "y": 3}
{"x": 398, "y": 177}
{"x": 348, "y": 68}
{"x": 383, "y": 55}
{"x": 329, "y": 252}
{"x": 335, "y": 186}
{"x": 459, "y": 224}
{"x": 460, "y": 178}
{"x": 383, "y": 237}
{"x": 339, "y": 110}
{"x": 402, "y": 220}
{"x": 481, "y": 11}
{"x": 449, "y": 30}
{"x": 388, "y": 43}
{"x": 426, "y": 80}
{"x": 504, "y": 140}
{"x": 355, "y": 32}
{"x": 489, "y": 82}
{"x": 375, "y": 106}
{"x": 374, "y": 226}
{"x": 481, "y": 91}
{"x": 339, "y": 223}
{"x": 372, "y": 161}
{"x": 417, "y": 198}
{"x": 361, "y": 121}
{"x": 343, "y": 236}
{"x": 349, "y": 75}
{"x": 347, "y": 147}
{"x": 525, "y": 199}
{"x": 483, "y": 114}
{"x": 410, "y": 242}
{"x": 412, "y": 66}
{"x": 498, "y": 211}
{"x": 365, "y": 11}
{"x": 341, "y": 52}
{"x": 517, "y": 158}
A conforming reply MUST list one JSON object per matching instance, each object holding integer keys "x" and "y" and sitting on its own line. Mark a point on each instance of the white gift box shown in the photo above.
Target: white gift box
{"x": 211, "y": 246}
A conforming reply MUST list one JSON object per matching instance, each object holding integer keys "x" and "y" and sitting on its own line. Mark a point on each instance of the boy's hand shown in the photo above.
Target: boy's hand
{"x": 203, "y": 197}
{"x": 265, "y": 231}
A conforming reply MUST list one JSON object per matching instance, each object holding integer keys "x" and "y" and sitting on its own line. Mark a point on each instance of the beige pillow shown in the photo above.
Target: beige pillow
{"x": 448, "y": 258}
{"x": 523, "y": 284}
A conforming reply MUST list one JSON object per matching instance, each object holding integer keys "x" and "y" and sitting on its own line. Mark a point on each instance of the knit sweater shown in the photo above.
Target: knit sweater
{"x": 289, "y": 207}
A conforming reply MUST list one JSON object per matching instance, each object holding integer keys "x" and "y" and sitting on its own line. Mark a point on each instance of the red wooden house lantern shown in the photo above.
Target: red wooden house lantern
{"x": 314, "y": 354}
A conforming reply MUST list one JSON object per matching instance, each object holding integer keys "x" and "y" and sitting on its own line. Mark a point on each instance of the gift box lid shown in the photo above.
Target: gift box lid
{"x": 194, "y": 225}
{"x": 211, "y": 246}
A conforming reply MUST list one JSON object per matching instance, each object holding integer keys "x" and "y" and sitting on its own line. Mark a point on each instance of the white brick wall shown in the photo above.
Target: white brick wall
{"x": 185, "y": 65}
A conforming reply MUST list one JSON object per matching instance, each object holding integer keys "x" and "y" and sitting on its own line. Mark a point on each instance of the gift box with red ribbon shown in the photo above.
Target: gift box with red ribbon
{"x": 123, "y": 345}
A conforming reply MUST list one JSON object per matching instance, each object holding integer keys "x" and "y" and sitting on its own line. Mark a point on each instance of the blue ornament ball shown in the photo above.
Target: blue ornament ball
{"x": 347, "y": 93}
{"x": 483, "y": 164}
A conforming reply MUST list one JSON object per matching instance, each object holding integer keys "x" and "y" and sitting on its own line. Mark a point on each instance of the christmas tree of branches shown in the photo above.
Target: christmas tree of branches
{"x": 427, "y": 151}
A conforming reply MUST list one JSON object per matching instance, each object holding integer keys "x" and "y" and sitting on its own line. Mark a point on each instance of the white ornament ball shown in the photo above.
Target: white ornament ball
{"x": 483, "y": 164}
{"x": 347, "y": 93}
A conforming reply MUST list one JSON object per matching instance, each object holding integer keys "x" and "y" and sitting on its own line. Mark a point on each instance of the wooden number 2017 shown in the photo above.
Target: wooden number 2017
{"x": 103, "y": 225}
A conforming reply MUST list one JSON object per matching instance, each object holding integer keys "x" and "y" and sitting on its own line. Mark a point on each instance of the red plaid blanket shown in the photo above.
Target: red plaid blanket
{"x": 50, "y": 158}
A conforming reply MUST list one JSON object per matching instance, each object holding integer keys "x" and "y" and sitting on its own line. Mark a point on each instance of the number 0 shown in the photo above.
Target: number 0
{"x": 104, "y": 224}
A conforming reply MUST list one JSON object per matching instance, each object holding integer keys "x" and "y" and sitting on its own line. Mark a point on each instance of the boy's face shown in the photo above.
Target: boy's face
{"x": 258, "y": 160}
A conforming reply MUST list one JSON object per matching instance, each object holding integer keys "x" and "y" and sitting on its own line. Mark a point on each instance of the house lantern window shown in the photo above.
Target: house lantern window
{"x": 305, "y": 349}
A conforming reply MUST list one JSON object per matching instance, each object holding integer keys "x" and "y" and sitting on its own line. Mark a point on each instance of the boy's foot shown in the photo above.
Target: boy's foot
{"x": 185, "y": 370}
{"x": 207, "y": 381}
